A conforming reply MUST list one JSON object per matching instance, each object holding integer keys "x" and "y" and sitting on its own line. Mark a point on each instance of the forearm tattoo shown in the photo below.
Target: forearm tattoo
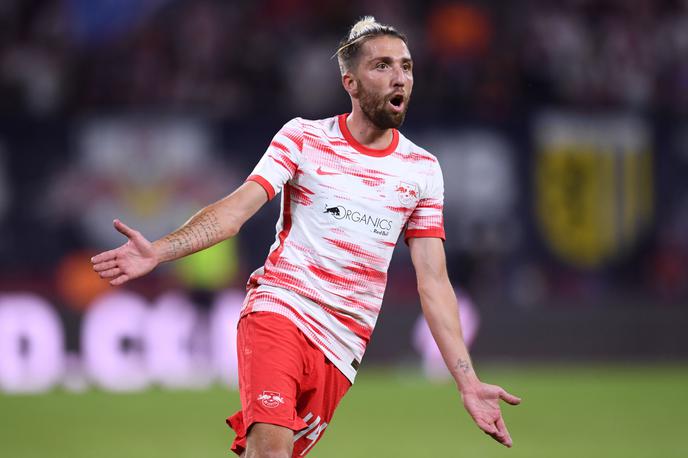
{"x": 463, "y": 366}
{"x": 201, "y": 231}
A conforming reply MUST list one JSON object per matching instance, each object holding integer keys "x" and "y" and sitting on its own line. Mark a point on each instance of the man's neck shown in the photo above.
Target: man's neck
{"x": 366, "y": 133}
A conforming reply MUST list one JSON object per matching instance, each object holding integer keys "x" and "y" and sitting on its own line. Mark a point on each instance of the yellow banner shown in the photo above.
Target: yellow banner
{"x": 593, "y": 186}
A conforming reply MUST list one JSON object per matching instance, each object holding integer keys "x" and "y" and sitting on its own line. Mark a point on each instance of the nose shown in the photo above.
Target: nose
{"x": 398, "y": 77}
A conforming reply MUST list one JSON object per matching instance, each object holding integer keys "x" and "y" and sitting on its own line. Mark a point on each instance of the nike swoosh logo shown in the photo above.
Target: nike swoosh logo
{"x": 320, "y": 171}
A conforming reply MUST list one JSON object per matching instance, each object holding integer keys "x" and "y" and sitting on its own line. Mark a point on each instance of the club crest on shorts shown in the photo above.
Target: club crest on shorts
{"x": 271, "y": 399}
{"x": 407, "y": 193}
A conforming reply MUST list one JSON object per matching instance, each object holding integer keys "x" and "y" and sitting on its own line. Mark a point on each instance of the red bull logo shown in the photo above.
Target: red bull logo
{"x": 271, "y": 399}
{"x": 408, "y": 194}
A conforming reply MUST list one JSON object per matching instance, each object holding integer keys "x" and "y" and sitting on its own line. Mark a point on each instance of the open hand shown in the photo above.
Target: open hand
{"x": 482, "y": 403}
{"x": 133, "y": 259}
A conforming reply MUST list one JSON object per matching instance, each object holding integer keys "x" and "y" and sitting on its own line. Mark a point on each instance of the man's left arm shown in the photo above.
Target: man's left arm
{"x": 440, "y": 308}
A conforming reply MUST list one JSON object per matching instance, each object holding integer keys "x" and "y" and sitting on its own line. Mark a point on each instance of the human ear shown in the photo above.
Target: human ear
{"x": 350, "y": 84}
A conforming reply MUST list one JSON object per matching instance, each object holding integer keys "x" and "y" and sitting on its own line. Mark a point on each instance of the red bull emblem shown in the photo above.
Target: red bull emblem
{"x": 271, "y": 399}
{"x": 408, "y": 193}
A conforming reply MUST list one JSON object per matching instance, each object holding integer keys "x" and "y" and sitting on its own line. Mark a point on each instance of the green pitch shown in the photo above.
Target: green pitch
{"x": 568, "y": 411}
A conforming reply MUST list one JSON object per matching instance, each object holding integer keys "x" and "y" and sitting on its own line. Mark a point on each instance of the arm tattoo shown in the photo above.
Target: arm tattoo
{"x": 463, "y": 366}
{"x": 199, "y": 232}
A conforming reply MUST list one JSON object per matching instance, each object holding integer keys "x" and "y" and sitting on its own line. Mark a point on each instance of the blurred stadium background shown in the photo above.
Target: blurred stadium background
{"x": 562, "y": 129}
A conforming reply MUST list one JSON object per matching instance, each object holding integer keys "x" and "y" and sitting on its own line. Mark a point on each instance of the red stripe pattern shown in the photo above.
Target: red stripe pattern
{"x": 343, "y": 208}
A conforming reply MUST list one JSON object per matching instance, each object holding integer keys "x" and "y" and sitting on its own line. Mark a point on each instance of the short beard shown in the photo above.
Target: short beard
{"x": 374, "y": 106}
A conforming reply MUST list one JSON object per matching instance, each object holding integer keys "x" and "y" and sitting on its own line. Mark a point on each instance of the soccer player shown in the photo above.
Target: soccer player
{"x": 351, "y": 185}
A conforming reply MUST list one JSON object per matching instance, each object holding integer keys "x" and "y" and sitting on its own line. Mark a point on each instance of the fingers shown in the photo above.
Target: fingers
{"x": 110, "y": 270}
{"x": 124, "y": 229}
{"x": 491, "y": 430}
{"x": 505, "y": 437}
{"x": 112, "y": 254}
{"x": 497, "y": 431}
{"x": 509, "y": 398}
{"x": 120, "y": 280}
{"x": 102, "y": 266}
{"x": 105, "y": 256}
{"x": 106, "y": 265}
{"x": 488, "y": 428}
{"x": 110, "y": 273}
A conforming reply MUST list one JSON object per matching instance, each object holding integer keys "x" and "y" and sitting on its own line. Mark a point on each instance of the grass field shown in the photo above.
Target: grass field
{"x": 568, "y": 411}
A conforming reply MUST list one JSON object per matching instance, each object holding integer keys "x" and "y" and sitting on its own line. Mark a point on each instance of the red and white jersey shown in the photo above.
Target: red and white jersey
{"x": 343, "y": 208}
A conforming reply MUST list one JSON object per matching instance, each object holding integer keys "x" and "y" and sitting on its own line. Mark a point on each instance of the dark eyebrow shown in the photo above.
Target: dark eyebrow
{"x": 389, "y": 60}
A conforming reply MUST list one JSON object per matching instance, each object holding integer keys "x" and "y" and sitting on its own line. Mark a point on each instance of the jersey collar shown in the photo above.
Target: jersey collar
{"x": 362, "y": 148}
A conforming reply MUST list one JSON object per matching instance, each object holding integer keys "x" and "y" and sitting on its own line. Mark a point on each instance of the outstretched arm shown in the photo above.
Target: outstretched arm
{"x": 440, "y": 308}
{"x": 213, "y": 224}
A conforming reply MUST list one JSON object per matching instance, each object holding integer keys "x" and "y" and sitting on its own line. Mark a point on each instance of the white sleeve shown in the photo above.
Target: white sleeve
{"x": 281, "y": 159}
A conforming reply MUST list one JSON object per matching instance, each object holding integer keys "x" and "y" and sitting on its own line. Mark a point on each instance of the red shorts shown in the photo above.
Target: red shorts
{"x": 283, "y": 380}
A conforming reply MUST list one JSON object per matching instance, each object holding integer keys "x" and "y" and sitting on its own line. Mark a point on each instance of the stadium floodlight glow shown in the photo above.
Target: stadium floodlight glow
{"x": 127, "y": 344}
{"x": 175, "y": 354}
{"x": 223, "y": 330}
{"x": 31, "y": 344}
{"x": 112, "y": 342}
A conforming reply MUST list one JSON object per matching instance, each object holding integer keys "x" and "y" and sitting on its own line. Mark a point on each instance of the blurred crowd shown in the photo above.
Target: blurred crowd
{"x": 233, "y": 58}
{"x": 147, "y": 109}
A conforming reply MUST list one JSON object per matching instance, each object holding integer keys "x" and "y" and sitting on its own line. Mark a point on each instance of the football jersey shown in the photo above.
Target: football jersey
{"x": 343, "y": 208}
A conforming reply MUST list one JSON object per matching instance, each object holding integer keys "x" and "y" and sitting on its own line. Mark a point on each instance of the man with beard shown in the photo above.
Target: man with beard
{"x": 350, "y": 185}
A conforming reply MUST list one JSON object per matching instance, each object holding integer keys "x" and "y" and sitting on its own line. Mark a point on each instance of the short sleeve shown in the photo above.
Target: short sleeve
{"x": 426, "y": 219}
{"x": 281, "y": 159}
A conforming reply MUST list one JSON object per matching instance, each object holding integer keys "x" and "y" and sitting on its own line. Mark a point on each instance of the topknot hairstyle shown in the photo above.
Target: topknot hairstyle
{"x": 364, "y": 29}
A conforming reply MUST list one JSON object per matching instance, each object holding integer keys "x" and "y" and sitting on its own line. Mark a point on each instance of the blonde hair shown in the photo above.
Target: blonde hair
{"x": 367, "y": 27}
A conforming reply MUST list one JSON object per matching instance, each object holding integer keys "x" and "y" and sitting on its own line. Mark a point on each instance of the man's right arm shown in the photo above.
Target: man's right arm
{"x": 213, "y": 224}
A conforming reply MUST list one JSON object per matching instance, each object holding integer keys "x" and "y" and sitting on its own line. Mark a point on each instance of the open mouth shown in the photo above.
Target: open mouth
{"x": 397, "y": 102}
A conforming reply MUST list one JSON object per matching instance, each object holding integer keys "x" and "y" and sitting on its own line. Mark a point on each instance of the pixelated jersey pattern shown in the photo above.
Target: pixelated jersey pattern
{"x": 343, "y": 207}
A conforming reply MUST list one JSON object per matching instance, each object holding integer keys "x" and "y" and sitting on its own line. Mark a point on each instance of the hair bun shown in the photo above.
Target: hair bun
{"x": 366, "y": 25}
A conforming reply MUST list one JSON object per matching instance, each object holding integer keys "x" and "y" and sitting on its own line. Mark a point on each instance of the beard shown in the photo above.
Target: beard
{"x": 374, "y": 106}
